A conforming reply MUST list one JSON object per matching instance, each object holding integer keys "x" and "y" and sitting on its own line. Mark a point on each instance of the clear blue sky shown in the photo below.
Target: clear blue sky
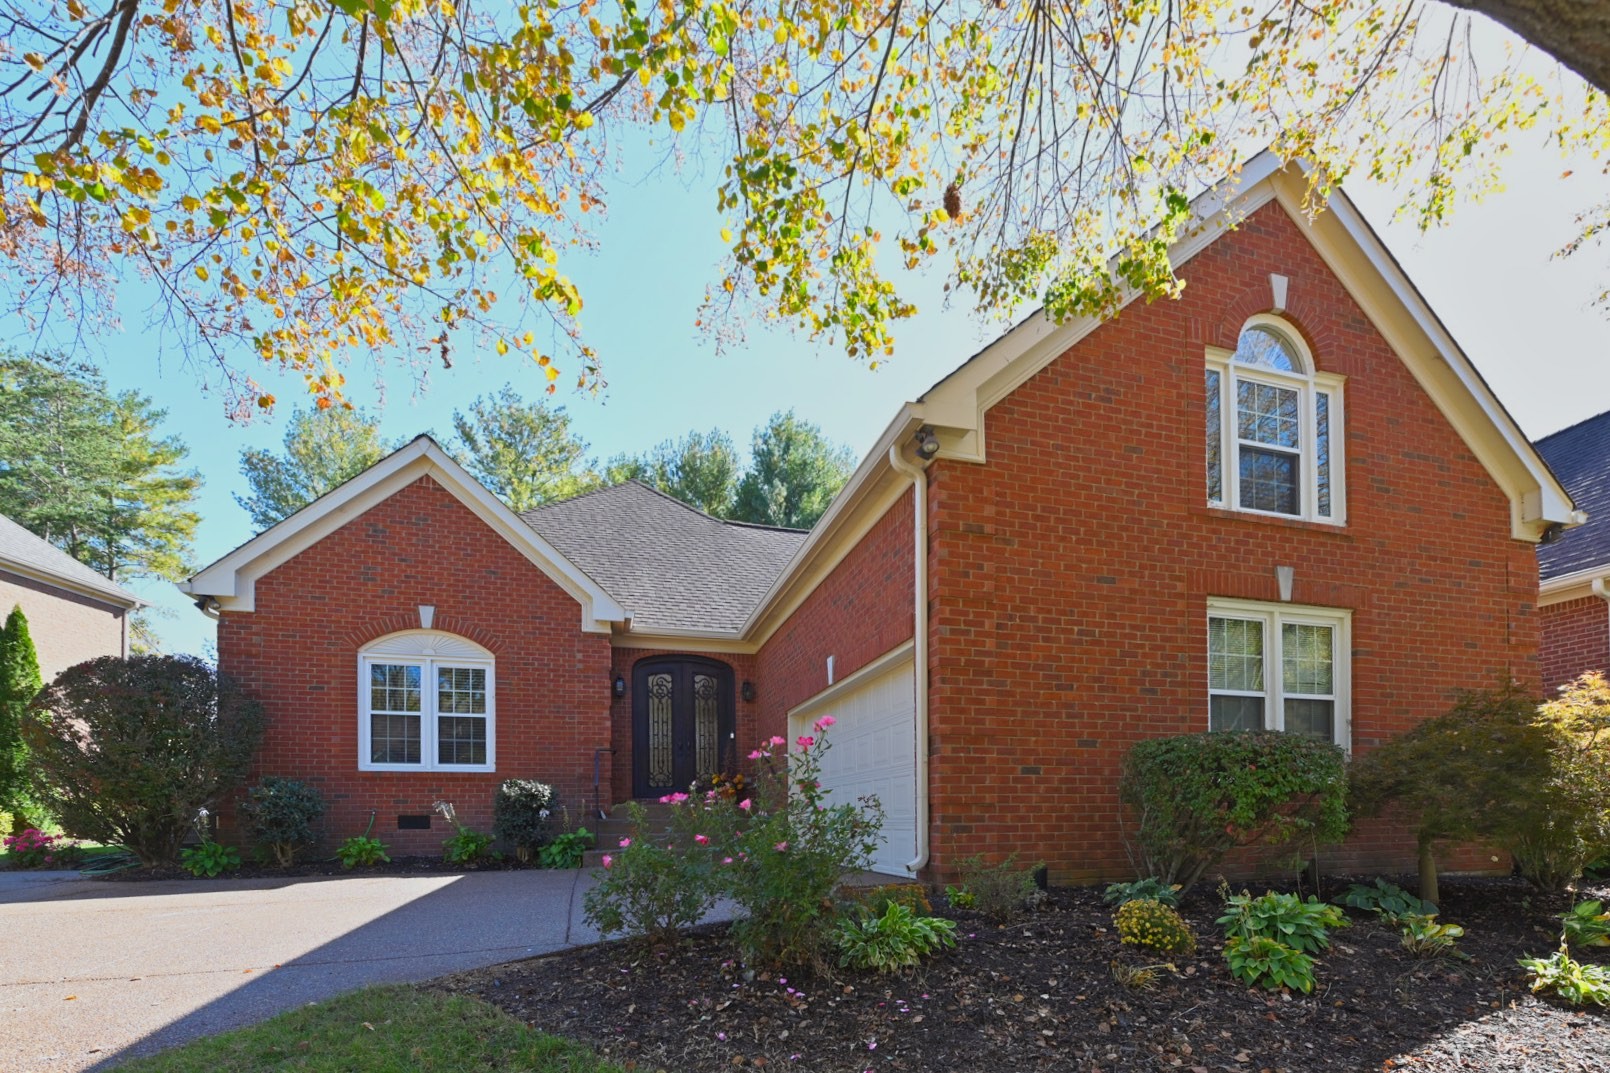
{"x": 1526, "y": 319}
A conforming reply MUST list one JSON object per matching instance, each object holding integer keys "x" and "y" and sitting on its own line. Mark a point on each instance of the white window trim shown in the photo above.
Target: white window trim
{"x": 429, "y": 662}
{"x": 1271, "y": 617}
{"x": 1309, "y": 386}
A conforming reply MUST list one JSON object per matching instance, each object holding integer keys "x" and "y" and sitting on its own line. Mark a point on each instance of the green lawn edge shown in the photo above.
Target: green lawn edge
{"x": 396, "y": 1029}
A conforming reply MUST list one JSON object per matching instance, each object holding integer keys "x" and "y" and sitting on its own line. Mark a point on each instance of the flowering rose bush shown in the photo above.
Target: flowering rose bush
{"x": 781, "y": 851}
{"x": 32, "y": 848}
{"x": 648, "y": 889}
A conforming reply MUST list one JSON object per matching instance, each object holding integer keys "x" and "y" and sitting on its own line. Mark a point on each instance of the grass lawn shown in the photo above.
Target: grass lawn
{"x": 381, "y": 1030}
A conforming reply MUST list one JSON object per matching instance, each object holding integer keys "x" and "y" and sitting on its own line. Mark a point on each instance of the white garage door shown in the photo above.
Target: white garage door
{"x": 873, "y": 751}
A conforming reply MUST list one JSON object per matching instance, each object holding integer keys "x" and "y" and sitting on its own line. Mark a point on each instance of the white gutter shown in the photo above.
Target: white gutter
{"x": 919, "y": 511}
{"x": 1603, "y": 593}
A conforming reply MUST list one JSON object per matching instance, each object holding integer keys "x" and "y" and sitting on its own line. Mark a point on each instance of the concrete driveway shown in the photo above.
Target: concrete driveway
{"x": 92, "y": 972}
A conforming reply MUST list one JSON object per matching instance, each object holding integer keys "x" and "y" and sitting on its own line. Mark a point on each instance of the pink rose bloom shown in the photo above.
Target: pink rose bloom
{"x": 726, "y": 860}
{"x": 745, "y": 804}
{"x": 775, "y": 740}
{"x": 758, "y": 754}
{"x": 677, "y": 799}
{"x": 805, "y": 741}
{"x": 824, "y": 722}
{"x": 625, "y": 842}
{"x": 781, "y": 847}
{"x": 608, "y": 860}
{"x": 703, "y": 840}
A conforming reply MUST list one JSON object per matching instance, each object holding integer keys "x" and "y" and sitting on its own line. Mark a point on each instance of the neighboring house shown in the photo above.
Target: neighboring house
{"x": 1284, "y": 500}
{"x": 1574, "y": 568}
{"x": 73, "y": 613}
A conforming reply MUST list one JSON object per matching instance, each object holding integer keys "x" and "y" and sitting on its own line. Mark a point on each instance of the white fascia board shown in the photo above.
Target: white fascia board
{"x": 1538, "y": 500}
{"x": 1572, "y": 586}
{"x": 232, "y": 580}
{"x": 56, "y": 581}
{"x": 684, "y": 640}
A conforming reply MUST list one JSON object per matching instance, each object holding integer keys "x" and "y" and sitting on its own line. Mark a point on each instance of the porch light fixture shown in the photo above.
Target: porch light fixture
{"x": 619, "y": 686}
{"x": 927, "y": 442}
{"x": 748, "y": 691}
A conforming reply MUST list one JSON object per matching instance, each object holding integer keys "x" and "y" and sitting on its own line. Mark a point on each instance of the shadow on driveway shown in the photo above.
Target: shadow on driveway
{"x": 120, "y": 969}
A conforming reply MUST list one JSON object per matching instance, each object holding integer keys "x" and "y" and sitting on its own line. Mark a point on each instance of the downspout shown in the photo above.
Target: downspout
{"x": 919, "y": 510}
{"x": 1602, "y": 592}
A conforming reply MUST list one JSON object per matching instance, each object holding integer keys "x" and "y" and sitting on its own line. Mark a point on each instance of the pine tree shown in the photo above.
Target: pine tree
{"x": 20, "y": 681}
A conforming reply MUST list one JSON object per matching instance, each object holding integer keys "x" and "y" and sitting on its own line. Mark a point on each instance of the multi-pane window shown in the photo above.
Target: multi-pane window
{"x": 422, "y": 712}
{"x": 1270, "y": 421}
{"x": 1277, "y": 667}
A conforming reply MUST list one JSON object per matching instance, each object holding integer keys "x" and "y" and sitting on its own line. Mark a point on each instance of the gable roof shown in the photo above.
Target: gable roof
{"x": 26, "y": 555}
{"x": 1580, "y": 457}
{"x": 673, "y": 567}
{"x": 231, "y": 581}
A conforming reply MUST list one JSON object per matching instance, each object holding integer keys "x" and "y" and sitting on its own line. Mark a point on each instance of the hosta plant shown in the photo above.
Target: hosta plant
{"x": 899, "y": 939}
{"x": 1586, "y": 924}
{"x": 362, "y": 851}
{"x": 1577, "y": 983}
{"x": 566, "y": 850}
{"x": 1426, "y": 937}
{"x": 209, "y": 859}
{"x": 1285, "y": 918}
{"x": 1147, "y": 889}
{"x": 1387, "y": 899}
{"x": 1259, "y": 961}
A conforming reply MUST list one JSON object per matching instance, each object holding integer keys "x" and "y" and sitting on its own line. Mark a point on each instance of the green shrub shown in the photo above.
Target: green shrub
{"x": 1196, "y": 797}
{"x": 566, "y": 850}
{"x": 278, "y": 815}
{"x": 780, "y": 852}
{"x": 1285, "y": 918}
{"x": 361, "y": 851}
{"x": 1470, "y": 775}
{"x": 209, "y": 859}
{"x": 1577, "y": 983}
{"x": 960, "y": 897}
{"x": 1147, "y": 889}
{"x": 1567, "y": 824}
{"x": 649, "y": 890}
{"x": 1151, "y": 924}
{"x": 1260, "y": 961}
{"x": 1586, "y": 924}
{"x": 1388, "y": 899}
{"x": 32, "y": 848}
{"x": 897, "y": 939}
{"x": 467, "y": 845}
{"x": 126, "y": 751}
{"x": 874, "y": 900}
{"x": 522, "y": 814}
{"x": 20, "y": 682}
{"x": 1424, "y": 936}
{"x": 1001, "y": 890}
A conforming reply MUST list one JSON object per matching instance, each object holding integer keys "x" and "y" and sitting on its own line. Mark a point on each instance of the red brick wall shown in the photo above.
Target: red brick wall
{"x": 1070, "y": 574}
{"x": 859, "y": 611}
{"x": 1576, "y": 638}
{"x": 743, "y": 669}
{"x": 298, "y": 655}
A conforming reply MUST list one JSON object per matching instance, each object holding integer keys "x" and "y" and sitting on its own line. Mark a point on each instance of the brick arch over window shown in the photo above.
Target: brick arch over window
{"x": 374, "y": 629}
{"x": 1300, "y": 313}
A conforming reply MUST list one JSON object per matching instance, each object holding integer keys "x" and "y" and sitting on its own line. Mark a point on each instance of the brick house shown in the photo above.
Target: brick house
{"x": 73, "y": 613}
{"x": 1284, "y": 500}
{"x": 1573, "y": 568}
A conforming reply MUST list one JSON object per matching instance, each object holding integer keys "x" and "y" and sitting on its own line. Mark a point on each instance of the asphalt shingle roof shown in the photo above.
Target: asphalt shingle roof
{"x": 1580, "y": 458}
{"x": 669, "y": 565}
{"x": 19, "y": 547}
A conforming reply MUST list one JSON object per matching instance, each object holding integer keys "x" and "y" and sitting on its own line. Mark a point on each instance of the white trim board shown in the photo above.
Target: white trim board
{"x": 903, "y": 653}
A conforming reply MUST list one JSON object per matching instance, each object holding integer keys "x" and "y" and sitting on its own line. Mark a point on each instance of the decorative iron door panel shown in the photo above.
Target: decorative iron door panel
{"x": 682, "y": 716}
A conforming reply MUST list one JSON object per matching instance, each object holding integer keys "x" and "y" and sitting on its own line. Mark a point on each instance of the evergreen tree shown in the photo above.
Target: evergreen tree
{"x": 524, "y": 452}
{"x": 86, "y": 470}
{"x": 793, "y": 475}
{"x": 701, "y": 469}
{"x": 20, "y": 681}
{"x": 322, "y": 449}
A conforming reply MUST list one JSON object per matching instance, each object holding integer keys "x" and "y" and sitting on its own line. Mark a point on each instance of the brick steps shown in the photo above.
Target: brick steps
{"x": 608, "y": 832}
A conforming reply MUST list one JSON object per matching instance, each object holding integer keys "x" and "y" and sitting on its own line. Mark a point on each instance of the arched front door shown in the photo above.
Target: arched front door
{"x": 682, "y": 723}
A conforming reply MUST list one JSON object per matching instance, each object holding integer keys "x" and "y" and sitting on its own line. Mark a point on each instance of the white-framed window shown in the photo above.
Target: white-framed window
{"x": 426, "y": 702}
{"x": 1274, "y": 427}
{"x": 1279, "y": 667}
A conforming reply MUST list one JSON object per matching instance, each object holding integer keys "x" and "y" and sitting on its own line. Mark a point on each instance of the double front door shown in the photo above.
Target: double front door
{"x": 682, "y": 716}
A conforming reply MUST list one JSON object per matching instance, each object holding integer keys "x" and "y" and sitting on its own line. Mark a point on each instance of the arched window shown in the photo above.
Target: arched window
{"x": 1272, "y": 421}
{"x": 425, "y": 703}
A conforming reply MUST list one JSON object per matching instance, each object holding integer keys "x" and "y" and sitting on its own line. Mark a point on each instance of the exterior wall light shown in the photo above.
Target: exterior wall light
{"x": 927, "y": 442}
{"x": 748, "y": 691}
{"x": 619, "y": 686}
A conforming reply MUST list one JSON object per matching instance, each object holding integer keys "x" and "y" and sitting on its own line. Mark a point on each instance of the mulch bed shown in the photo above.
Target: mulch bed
{"x": 1038, "y": 994}
{"x": 305, "y": 869}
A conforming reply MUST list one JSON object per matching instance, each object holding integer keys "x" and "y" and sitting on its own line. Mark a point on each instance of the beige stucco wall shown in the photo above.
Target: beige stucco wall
{"x": 66, "y": 628}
